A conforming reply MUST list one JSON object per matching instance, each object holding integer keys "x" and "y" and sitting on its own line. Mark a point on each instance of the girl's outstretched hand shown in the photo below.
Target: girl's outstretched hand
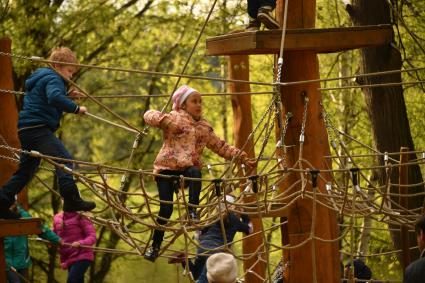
{"x": 250, "y": 163}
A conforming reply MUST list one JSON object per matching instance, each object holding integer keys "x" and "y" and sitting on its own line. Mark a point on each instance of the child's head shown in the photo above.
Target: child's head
{"x": 64, "y": 54}
{"x": 188, "y": 99}
{"x": 222, "y": 268}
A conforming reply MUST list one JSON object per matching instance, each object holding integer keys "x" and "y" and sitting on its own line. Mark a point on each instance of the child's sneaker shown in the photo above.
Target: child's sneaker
{"x": 152, "y": 253}
{"x": 265, "y": 17}
{"x": 253, "y": 25}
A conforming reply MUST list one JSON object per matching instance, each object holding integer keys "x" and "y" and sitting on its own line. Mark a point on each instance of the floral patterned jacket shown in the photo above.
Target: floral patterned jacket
{"x": 184, "y": 149}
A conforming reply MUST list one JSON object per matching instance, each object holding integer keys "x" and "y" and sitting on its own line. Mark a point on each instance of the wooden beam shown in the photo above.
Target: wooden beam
{"x": 316, "y": 40}
{"x": 15, "y": 228}
{"x": 272, "y": 210}
{"x": 20, "y": 227}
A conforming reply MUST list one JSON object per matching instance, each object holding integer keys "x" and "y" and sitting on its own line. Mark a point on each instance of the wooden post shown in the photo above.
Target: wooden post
{"x": 238, "y": 69}
{"x": 8, "y": 119}
{"x": 8, "y": 112}
{"x": 304, "y": 266}
{"x": 403, "y": 201}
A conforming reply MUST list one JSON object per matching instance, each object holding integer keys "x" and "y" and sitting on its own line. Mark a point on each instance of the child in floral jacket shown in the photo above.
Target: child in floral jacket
{"x": 185, "y": 135}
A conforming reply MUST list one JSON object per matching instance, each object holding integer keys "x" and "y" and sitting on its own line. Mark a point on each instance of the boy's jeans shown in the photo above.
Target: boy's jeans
{"x": 254, "y": 5}
{"x": 44, "y": 141}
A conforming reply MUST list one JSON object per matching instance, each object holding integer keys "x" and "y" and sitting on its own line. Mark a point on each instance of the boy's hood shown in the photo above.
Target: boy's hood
{"x": 37, "y": 75}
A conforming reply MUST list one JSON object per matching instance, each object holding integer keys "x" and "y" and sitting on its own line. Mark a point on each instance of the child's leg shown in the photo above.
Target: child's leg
{"x": 197, "y": 266}
{"x": 76, "y": 271}
{"x": 68, "y": 189}
{"x": 27, "y": 167}
{"x": 194, "y": 186}
{"x": 270, "y": 3}
{"x": 12, "y": 277}
{"x": 203, "y": 276}
{"x": 165, "y": 191}
{"x": 253, "y": 6}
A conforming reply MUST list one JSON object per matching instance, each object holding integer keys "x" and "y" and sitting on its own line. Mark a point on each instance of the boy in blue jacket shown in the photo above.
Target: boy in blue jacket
{"x": 45, "y": 100}
{"x": 211, "y": 240}
{"x": 17, "y": 254}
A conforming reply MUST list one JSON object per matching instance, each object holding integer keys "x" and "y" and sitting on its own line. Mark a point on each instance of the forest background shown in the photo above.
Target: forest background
{"x": 158, "y": 35}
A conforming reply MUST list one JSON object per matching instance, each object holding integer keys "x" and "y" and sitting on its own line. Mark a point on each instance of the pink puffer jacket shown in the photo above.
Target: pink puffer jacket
{"x": 180, "y": 151}
{"x": 73, "y": 227}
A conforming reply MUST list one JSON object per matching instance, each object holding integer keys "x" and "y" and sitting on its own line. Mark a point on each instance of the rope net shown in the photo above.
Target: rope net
{"x": 132, "y": 213}
{"x": 344, "y": 186}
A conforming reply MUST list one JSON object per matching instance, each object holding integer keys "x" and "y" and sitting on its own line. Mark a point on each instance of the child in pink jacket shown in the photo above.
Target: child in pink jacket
{"x": 185, "y": 135}
{"x": 76, "y": 230}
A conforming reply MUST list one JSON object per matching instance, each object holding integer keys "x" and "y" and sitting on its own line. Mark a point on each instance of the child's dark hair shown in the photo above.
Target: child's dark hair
{"x": 420, "y": 225}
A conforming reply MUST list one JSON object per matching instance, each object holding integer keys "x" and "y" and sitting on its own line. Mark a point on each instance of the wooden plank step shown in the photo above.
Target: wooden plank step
{"x": 318, "y": 40}
{"x": 18, "y": 227}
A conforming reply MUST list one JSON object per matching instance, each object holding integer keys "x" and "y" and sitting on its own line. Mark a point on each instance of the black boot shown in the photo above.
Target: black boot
{"x": 78, "y": 205}
{"x": 5, "y": 204}
{"x": 152, "y": 253}
{"x": 73, "y": 202}
{"x": 6, "y": 213}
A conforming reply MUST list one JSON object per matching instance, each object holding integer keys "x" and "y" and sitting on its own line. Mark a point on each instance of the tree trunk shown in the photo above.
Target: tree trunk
{"x": 386, "y": 106}
{"x": 238, "y": 68}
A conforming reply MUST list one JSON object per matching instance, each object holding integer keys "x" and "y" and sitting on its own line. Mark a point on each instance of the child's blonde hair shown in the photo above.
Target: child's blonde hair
{"x": 63, "y": 54}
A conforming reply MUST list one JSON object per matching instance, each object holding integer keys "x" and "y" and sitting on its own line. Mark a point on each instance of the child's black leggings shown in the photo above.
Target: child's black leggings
{"x": 166, "y": 189}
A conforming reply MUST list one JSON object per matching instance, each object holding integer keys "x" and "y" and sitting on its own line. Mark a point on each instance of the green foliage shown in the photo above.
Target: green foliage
{"x": 158, "y": 36}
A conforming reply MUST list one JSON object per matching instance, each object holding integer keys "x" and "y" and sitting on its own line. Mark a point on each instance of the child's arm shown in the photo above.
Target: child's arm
{"x": 225, "y": 150}
{"x": 56, "y": 96}
{"x": 89, "y": 231}
{"x": 49, "y": 235}
{"x": 46, "y": 233}
{"x": 154, "y": 118}
{"x": 161, "y": 120}
{"x": 242, "y": 226}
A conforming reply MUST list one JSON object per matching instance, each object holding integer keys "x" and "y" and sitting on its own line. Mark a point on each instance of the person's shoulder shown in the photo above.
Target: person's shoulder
{"x": 416, "y": 266}
{"x": 204, "y": 123}
{"x": 46, "y": 72}
{"x": 58, "y": 217}
{"x": 59, "y": 214}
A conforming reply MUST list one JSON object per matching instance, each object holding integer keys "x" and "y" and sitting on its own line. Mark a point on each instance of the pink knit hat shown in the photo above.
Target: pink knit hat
{"x": 180, "y": 95}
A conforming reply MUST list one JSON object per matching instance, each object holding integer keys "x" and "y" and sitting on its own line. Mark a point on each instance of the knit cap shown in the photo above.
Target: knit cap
{"x": 222, "y": 268}
{"x": 180, "y": 95}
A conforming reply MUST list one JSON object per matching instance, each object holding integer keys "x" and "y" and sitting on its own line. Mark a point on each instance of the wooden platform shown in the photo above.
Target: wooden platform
{"x": 20, "y": 227}
{"x": 15, "y": 228}
{"x": 319, "y": 40}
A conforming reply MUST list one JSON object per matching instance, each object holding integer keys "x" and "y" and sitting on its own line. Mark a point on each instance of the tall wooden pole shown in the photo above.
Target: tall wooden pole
{"x": 8, "y": 119}
{"x": 238, "y": 69}
{"x": 403, "y": 201}
{"x": 304, "y": 266}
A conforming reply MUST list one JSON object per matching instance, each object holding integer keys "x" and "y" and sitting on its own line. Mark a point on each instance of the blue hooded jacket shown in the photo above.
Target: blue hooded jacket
{"x": 45, "y": 100}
